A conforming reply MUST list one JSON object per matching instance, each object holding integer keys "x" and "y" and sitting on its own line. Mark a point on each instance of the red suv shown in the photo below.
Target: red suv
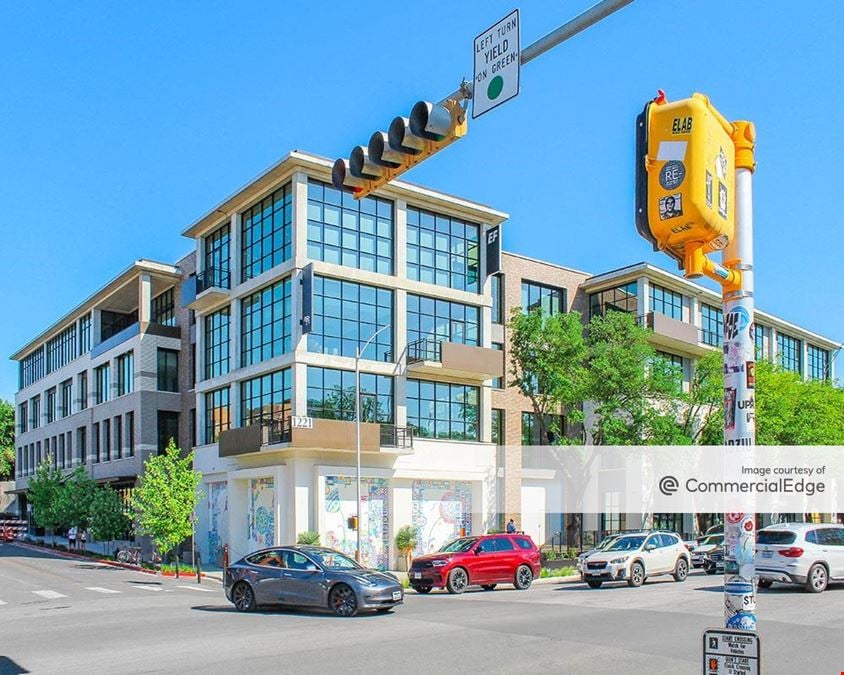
{"x": 485, "y": 561}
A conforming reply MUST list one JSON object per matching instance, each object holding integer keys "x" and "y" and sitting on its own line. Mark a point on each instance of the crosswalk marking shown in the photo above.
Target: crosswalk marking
{"x": 197, "y": 588}
{"x": 147, "y": 588}
{"x": 50, "y": 595}
{"x": 99, "y": 589}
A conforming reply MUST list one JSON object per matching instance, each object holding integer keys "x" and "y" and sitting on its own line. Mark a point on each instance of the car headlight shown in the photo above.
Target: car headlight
{"x": 440, "y": 563}
{"x": 619, "y": 561}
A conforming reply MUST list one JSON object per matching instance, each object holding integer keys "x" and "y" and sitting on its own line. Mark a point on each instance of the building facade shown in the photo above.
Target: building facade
{"x": 109, "y": 383}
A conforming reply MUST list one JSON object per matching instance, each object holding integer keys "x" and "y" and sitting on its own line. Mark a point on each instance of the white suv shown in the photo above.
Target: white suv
{"x": 635, "y": 557}
{"x": 807, "y": 554}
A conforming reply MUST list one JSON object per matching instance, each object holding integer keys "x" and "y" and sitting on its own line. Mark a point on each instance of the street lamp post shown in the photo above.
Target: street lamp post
{"x": 358, "y": 352}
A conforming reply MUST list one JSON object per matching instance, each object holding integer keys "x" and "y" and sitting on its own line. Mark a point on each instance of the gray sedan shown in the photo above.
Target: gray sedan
{"x": 309, "y": 576}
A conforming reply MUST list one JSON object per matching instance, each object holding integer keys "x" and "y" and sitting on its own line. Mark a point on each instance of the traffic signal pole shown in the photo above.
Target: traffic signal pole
{"x": 739, "y": 388}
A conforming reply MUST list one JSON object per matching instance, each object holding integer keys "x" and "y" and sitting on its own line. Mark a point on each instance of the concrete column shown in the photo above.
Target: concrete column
{"x": 235, "y": 245}
{"x": 234, "y": 405}
{"x": 299, "y": 189}
{"x": 694, "y": 311}
{"x": 199, "y": 361}
{"x": 400, "y": 239}
{"x": 804, "y": 359}
{"x": 144, "y": 300}
{"x": 485, "y": 411}
{"x": 234, "y": 336}
{"x": 200, "y": 419}
{"x": 772, "y": 345}
{"x": 643, "y": 295}
{"x": 96, "y": 327}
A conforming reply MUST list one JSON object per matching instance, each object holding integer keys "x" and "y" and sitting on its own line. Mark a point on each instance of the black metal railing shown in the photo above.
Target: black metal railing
{"x": 274, "y": 428}
{"x": 426, "y": 349}
{"x": 393, "y": 436}
{"x": 211, "y": 277}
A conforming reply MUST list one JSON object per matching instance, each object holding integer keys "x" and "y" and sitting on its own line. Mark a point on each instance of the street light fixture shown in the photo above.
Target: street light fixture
{"x": 358, "y": 352}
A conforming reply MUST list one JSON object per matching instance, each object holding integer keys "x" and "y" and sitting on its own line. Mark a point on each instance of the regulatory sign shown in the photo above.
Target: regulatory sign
{"x": 497, "y": 65}
{"x": 730, "y": 652}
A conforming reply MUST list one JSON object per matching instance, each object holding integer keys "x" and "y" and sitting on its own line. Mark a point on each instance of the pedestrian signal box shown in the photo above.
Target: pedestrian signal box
{"x": 685, "y": 177}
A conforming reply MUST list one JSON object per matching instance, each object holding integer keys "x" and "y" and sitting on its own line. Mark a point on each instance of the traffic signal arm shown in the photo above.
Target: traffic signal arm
{"x": 697, "y": 264}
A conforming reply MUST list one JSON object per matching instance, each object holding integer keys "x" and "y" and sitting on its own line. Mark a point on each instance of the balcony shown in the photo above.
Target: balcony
{"x": 672, "y": 333}
{"x": 338, "y": 435}
{"x": 439, "y": 357}
{"x": 131, "y": 331}
{"x": 206, "y": 290}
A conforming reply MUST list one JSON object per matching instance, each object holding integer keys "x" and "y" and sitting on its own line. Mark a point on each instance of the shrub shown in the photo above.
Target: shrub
{"x": 308, "y": 538}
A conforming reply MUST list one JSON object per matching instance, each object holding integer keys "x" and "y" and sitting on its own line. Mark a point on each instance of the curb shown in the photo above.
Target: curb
{"x": 104, "y": 561}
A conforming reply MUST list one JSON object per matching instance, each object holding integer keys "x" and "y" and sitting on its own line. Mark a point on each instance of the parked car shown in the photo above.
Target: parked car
{"x": 807, "y": 554}
{"x": 706, "y": 545}
{"x": 309, "y": 576}
{"x": 606, "y": 541}
{"x": 691, "y": 544}
{"x": 713, "y": 561}
{"x": 485, "y": 561}
{"x": 636, "y": 557}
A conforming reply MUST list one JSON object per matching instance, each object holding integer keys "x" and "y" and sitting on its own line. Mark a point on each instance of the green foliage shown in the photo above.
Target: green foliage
{"x": 551, "y": 554}
{"x": 406, "y": 539}
{"x": 166, "y": 496}
{"x": 44, "y": 494}
{"x": 75, "y": 498}
{"x": 545, "y": 572}
{"x": 7, "y": 440}
{"x": 108, "y": 519}
{"x": 308, "y": 538}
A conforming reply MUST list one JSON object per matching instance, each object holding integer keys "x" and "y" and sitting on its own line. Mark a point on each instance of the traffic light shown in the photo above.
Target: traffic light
{"x": 685, "y": 179}
{"x": 409, "y": 141}
{"x": 352, "y": 522}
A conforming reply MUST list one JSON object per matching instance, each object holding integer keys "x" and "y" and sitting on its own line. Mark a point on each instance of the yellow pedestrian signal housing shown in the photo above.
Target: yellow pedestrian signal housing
{"x": 685, "y": 178}
{"x": 352, "y": 522}
{"x": 409, "y": 141}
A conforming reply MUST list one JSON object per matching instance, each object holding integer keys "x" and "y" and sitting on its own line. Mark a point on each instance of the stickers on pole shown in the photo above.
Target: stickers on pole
{"x": 497, "y": 65}
{"x": 731, "y": 652}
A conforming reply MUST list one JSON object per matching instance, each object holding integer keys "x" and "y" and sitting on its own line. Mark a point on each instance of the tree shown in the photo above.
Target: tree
{"x": 44, "y": 494}
{"x": 7, "y": 440}
{"x": 108, "y": 518}
{"x": 74, "y": 499}
{"x": 166, "y": 496}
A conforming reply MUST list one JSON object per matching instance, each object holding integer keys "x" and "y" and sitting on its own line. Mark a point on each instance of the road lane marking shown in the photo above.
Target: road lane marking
{"x": 197, "y": 588}
{"x": 147, "y": 588}
{"x": 50, "y": 595}
{"x": 99, "y": 589}
{"x": 2, "y": 603}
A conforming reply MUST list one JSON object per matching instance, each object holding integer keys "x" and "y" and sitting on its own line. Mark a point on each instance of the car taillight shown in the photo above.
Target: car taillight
{"x": 793, "y": 552}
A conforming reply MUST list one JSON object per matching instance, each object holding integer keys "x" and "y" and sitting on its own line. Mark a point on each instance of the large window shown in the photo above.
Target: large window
{"x": 711, "y": 325}
{"x": 61, "y": 349}
{"x": 497, "y": 286}
{"x": 118, "y": 437}
{"x": 217, "y": 343}
{"x": 126, "y": 373}
{"x": 346, "y": 315}
{"x": 331, "y": 395}
{"x": 23, "y": 418}
{"x": 442, "y": 410}
{"x": 168, "y": 370}
{"x": 35, "y": 412}
{"x": 664, "y": 301}
{"x": 85, "y": 334}
{"x": 789, "y": 353}
{"x": 67, "y": 398}
{"x": 32, "y": 368}
{"x": 672, "y": 364}
{"x": 111, "y": 323}
{"x": 548, "y": 299}
{"x": 82, "y": 444}
{"x": 498, "y": 382}
{"x": 442, "y": 250}
{"x": 265, "y": 323}
{"x": 83, "y": 390}
{"x": 50, "y": 405}
{"x": 95, "y": 437}
{"x": 102, "y": 382}
{"x": 130, "y": 434}
{"x": 164, "y": 309}
{"x": 441, "y": 320}
{"x": 761, "y": 334}
{"x": 217, "y": 257}
{"x": 346, "y": 231}
{"x": 267, "y": 397}
{"x": 498, "y": 426}
{"x": 217, "y": 414}
{"x": 555, "y": 425}
{"x": 106, "y": 440}
{"x": 620, "y": 299}
{"x": 168, "y": 429}
{"x": 818, "y": 363}
{"x": 266, "y": 233}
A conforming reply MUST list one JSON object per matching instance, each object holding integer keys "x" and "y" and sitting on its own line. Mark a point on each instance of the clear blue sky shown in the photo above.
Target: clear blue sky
{"x": 124, "y": 122}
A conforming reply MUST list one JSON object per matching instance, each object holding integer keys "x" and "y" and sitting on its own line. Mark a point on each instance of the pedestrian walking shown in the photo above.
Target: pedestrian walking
{"x": 71, "y": 538}
{"x": 511, "y": 527}
{"x": 82, "y": 538}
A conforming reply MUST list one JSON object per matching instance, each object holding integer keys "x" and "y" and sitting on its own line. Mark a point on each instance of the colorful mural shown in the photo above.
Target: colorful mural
{"x": 441, "y": 508}
{"x": 261, "y": 513}
{"x": 340, "y": 504}
{"x": 218, "y": 520}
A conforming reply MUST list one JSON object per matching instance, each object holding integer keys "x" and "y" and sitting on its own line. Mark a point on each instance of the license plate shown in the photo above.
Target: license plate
{"x": 396, "y": 595}
{"x": 767, "y": 554}
{"x": 417, "y": 575}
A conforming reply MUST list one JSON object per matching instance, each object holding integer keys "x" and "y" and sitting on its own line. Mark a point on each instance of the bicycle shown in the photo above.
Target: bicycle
{"x": 130, "y": 555}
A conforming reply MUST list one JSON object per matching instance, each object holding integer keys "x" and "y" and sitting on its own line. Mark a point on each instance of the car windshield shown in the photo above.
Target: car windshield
{"x": 605, "y": 543}
{"x": 713, "y": 539}
{"x": 333, "y": 560}
{"x": 459, "y": 545}
{"x": 626, "y": 544}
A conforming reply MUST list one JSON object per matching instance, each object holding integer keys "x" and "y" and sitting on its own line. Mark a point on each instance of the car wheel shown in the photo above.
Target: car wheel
{"x": 422, "y": 589}
{"x": 817, "y": 579}
{"x": 711, "y": 570}
{"x": 681, "y": 569}
{"x": 594, "y": 583}
{"x": 342, "y": 600}
{"x": 765, "y": 583}
{"x": 458, "y": 580}
{"x": 243, "y": 597}
{"x": 489, "y": 587}
{"x": 524, "y": 577}
{"x": 637, "y": 575}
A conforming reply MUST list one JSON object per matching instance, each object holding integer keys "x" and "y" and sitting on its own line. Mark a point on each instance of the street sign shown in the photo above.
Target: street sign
{"x": 300, "y": 422}
{"x": 497, "y": 65}
{"x": 730, "y": 652}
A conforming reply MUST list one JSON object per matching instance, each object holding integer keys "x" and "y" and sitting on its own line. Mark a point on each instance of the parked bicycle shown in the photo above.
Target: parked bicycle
{"x": 130, "y": 555}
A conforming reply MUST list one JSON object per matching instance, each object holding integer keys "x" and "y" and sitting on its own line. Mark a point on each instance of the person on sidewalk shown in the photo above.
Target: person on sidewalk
{"x": 71, "y": 538}
{"x": 82, "y": 537}
{"x": 511, "y": 527}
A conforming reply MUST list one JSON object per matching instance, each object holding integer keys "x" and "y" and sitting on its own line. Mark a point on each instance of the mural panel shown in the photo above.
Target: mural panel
{"x": 218, "y": 520}
{"x": 340, "y": 500}
{"x": 441, "y": 508}
{"x": 261, "y": 513}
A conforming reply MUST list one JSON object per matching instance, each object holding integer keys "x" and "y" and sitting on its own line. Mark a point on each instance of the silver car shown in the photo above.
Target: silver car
{"x": 309, "y": 576}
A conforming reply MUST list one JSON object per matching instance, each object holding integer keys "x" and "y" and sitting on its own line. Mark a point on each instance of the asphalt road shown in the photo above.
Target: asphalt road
{"x": 67, "y": 616}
